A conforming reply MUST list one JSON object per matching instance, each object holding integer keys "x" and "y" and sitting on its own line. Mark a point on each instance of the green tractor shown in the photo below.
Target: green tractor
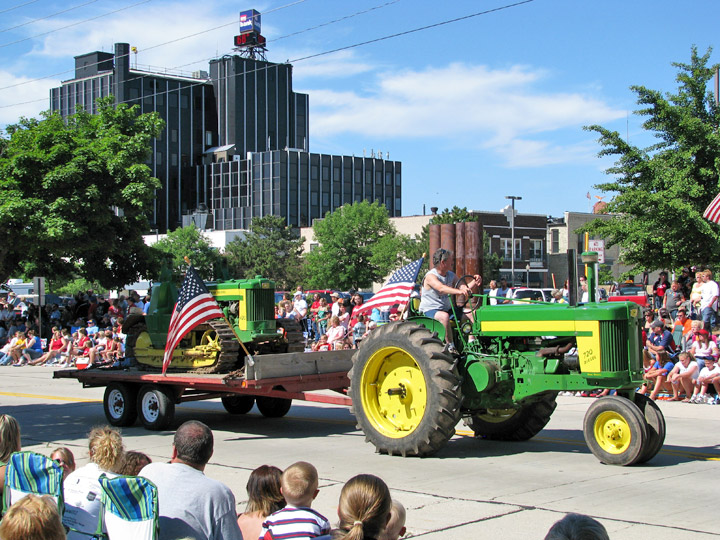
{"x": 215, "y": 346}
{"x": 409, "y": 393}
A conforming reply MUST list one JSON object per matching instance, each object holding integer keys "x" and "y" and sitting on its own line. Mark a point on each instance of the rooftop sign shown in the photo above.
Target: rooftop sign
{"x": 249, "y": 21}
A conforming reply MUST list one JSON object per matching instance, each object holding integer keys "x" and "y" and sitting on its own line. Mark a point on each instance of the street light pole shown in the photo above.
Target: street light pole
{"x": 513, "y": 198}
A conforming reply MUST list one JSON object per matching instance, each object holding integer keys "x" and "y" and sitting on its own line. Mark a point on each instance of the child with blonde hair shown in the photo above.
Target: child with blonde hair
{"x": 33, "y": 518}
{"x": 395, "y": 528}
{"x": 299, "y": 487}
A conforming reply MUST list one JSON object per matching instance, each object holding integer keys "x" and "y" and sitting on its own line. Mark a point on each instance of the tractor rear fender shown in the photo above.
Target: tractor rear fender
{"x": 429, "y": 323}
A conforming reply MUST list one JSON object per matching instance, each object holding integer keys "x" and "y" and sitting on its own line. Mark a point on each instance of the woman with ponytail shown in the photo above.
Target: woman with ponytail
{"x": 364, "y": 509}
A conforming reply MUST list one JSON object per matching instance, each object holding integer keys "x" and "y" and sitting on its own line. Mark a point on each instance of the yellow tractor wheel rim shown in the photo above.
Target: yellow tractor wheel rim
{"x": 210, "y": 339}
{"x": 612, "y": 432}
{"x": 393, "y": 392}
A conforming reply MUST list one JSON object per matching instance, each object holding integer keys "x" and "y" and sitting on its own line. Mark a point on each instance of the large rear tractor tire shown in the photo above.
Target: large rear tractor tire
{"x": 119, "y": 403}
{"x": 655, "y": 427}
{"x": 513, "y": 424}
{"x": 406, "y": 390}
{"x": 615, "y": 431}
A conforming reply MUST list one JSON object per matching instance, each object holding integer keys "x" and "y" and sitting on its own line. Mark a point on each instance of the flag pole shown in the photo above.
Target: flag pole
{"x": 409, "y": 299}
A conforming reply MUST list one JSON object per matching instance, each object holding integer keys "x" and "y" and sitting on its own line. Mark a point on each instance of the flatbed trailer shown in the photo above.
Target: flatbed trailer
{"x": 269, "y": 381}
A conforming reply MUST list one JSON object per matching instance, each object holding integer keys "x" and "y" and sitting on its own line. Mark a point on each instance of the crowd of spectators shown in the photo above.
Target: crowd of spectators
{"x": 86, "y": 330}
{"x": 680, "y": 335}
{"x": 331, "y": 320}
{"x": 192, "y": 505}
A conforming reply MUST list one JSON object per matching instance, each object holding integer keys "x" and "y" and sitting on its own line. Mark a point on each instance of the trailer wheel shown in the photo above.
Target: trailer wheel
{"x": 120, "y": 404}
{"x": 273, "y": 407}
{"x": 513, "y": 424}
{"x": 238, "y": 404}
{"x": 405, "y": 390}
{"x": 615, "y": 431}
{"x": 655, "y": 427}
{"x": 156, "y": 407}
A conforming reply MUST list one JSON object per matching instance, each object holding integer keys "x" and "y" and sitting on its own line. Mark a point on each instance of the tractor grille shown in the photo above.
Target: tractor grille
{"x": 260, "y": 304}
{"x": 614, "y": 344}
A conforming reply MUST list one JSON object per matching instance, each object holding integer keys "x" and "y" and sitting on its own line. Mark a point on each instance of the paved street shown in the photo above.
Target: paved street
{"x": 471, "y": 489}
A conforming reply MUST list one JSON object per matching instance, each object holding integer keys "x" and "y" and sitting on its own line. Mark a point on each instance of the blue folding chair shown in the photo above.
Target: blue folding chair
{"x": 129, "y": 508}
{"x": 30, "y": 473}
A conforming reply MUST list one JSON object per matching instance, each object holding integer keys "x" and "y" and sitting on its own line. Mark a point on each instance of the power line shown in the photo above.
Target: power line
{"x": 48, "y": 16}
{"x": 383, "y": 38}
{"x": 75, "y": 24}
{"x": 196, "y": 34}
{"x": 19, "y": 6}
{"x": 146, "y": 49}
{"x": 442, "y": 23}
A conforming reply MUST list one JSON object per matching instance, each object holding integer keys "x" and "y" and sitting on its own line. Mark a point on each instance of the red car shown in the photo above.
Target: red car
{"x": 630, "y": 292}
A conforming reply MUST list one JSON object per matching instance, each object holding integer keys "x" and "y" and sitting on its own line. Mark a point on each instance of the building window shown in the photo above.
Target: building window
{"x": 505, "y": 244}
{"x": 555, "y": 235}
{"x": 314, "y": 246}
{"x": 173, "y": 160}
{"x": 536, "y": 250}
{"x": 158, "y": 158}
{"x": 208, "y": 138}
{"x": 173, "y": 135}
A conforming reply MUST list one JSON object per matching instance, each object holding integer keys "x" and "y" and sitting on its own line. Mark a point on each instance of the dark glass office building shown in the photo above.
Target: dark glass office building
{"x": 236, "y": 141}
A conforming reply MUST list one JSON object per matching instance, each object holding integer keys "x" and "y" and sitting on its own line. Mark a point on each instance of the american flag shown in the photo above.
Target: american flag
{"x": 396, "y": 291}
{"x": 195, "y": 305}
{"x": 712, "y": 212}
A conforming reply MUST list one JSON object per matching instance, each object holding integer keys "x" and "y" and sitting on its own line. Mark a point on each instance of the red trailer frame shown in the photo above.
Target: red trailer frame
{"x": 152, "y": 396}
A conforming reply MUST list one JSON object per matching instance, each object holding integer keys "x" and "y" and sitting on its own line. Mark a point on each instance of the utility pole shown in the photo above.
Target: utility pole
{"x": 513, "y": 198}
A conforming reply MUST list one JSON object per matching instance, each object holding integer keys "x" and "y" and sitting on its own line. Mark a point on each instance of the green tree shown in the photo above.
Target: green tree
{"x": 270, "y": 249}
{"x": 71, "y": 287}
{"x": 492, "y": 262}
{"x": 454, "y": 215}
{"x": 357, "y": 246}
{"x": 75, "y": 194}
{"x": 660, "y": 192}
{"x": 189, "y": 242}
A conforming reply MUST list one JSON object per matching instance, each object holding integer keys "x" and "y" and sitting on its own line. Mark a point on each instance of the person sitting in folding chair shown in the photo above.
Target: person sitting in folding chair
{"x": 82, "y": 487}
{"x": 29, "y": 473}
{"x": 129, "y": 508}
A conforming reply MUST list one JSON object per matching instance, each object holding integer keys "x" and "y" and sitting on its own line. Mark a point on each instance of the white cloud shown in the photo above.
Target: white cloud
{"x": 336, "y": 65}
{"x": 495, "y": 108}
{"x": 27, "y": 96}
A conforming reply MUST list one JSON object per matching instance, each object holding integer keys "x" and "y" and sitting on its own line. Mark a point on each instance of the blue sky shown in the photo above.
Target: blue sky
{"x": 486, "y": 107}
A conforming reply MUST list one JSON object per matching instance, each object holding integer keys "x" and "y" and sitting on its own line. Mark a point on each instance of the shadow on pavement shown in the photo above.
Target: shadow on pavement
{"x": 565, "y": 441}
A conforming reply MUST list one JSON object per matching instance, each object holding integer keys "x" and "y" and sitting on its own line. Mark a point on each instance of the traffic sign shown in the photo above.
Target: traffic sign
{"x": 599, "y": 247}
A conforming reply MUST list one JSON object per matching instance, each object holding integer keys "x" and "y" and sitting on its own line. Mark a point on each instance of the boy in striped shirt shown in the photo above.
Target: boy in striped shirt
{"x": 297, "y": 521}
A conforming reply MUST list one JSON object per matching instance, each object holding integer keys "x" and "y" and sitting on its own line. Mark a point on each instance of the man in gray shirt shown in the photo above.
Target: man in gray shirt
{"x": 436, "y": 288}
{"x": 191, "y": 504}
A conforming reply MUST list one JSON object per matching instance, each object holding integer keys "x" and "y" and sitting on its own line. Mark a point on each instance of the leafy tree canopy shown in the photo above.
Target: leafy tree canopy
{"x": 660, "y": 192}
{"x": 75, "y": 194}
{"x": 357, "y": 246}
{"x": 454, "y": 215}
{"x": 189, "y": 242}
{"x": 270, "y": 249}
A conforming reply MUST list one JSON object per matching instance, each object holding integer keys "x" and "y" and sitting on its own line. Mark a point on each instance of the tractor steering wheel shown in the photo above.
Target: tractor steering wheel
{"x": 467, "y": 304}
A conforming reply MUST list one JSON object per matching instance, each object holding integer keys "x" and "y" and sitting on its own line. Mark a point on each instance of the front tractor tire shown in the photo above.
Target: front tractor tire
{"x": 513, "y": 424}
{"x": 405, "y": 390}
{"x": 616, "y": 431}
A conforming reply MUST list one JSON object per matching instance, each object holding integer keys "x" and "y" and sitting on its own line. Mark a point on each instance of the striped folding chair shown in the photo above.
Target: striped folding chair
{"x": 129, "y": 508}
{"x": 30, "y": 473}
